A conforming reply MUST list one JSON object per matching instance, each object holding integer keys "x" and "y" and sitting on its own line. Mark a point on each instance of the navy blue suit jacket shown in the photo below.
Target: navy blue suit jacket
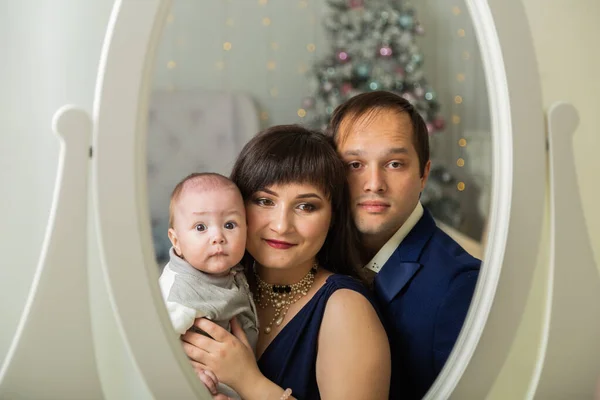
{"x": 424, "y": 291}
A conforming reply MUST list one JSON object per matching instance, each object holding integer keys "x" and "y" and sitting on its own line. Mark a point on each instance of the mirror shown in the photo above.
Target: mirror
{"x": 268, "y": 62}
{"x": 124, "y": 114}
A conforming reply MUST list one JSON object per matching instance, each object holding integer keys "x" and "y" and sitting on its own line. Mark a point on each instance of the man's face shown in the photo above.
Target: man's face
{"x": 383, "y": 172}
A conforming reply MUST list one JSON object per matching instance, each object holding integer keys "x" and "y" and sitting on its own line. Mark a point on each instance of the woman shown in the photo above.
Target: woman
{"x": 320, "y": 336}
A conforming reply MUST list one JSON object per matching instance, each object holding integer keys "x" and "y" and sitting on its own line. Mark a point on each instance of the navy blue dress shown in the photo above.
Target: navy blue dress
{"x": 290, "y": 360}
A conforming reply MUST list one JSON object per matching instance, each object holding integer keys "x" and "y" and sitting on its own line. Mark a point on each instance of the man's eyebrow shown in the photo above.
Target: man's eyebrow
{"x": 398, "y": 150}
{"x": 393, "y": 150}
{"x": 355, "y": 153}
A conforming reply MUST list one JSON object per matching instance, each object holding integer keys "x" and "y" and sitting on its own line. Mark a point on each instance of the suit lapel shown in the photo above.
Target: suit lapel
{"x": 403, "y": 264}
{"x": 391, "y": 279}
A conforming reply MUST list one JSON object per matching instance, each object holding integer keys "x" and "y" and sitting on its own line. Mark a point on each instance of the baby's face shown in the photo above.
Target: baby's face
{"x": 209, "y": 229}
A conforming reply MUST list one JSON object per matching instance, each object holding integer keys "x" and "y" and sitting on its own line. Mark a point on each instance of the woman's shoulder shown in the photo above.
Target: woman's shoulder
{"x": 350, "y": 312}
{"x": 341, "y": 281}
{"x": 340, "y": 287}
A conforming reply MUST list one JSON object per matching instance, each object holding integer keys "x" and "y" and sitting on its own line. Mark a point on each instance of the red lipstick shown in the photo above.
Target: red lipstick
{"x": 278, "y": 244}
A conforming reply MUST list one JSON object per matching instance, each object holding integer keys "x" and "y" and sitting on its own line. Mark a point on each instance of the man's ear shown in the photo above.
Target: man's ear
{"x": 425, "y": 174}
{"x": 174, "y": 241}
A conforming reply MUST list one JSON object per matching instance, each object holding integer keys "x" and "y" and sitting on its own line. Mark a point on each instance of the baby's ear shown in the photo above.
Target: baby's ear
{"x": 174, "y": 241}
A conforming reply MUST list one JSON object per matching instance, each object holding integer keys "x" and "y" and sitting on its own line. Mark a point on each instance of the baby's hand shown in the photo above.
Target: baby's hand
{"x": 209, "y": 379}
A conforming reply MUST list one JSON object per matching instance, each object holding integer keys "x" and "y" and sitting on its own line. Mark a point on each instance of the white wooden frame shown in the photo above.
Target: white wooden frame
{"x": 121, "y": 210}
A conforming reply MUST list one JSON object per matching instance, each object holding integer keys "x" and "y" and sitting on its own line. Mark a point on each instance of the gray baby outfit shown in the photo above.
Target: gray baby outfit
{"x": 190, "y": 294}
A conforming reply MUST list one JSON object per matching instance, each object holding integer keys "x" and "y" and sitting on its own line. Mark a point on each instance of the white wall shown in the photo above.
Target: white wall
{"x": 191, "y": 57}
{"x": 51, "y": 50}
{"x": 47, "y": 62}
{"x": 454, "y": 67}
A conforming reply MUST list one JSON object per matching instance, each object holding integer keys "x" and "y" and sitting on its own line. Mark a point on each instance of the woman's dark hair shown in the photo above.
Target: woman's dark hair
{"x": 293, "y": 154}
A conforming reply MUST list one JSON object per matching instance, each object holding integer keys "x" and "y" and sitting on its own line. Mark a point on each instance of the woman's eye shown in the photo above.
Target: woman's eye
{"x": 307, "y": 207}
{"x": 354, "y": 165}
{"x": 230, "y": 225}
{"x": 263, "y": 202}
{"x": 200, "y": 227}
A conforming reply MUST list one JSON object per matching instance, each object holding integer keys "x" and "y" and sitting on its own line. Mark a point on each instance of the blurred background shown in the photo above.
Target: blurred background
{"x": 269, "y": 62}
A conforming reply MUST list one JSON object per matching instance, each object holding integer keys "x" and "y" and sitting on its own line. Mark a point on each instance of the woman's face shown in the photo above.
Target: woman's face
{"x": 287, "y": 225}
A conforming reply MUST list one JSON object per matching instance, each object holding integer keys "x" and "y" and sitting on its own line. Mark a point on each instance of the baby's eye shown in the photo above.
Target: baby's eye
{"x": 230, "y": 225}
{"x": 200, "y": 227}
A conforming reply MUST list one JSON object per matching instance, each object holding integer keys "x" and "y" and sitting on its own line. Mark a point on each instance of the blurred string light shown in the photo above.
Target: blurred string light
{"x": 458, "y": 101}
{"x": 172, "y": 63}
{"x": 222, "y": 65}
{"x": 271, "y": 64}
{"x": 311, "y": 48}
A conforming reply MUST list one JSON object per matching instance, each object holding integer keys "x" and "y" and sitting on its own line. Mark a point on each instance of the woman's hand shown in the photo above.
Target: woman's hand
{"x": 228, "y": 355}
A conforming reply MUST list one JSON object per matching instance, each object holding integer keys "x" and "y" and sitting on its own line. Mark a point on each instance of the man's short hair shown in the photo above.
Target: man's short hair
{"x": 370, "y": 104}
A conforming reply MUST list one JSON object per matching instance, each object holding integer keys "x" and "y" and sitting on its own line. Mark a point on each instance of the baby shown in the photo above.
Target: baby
{"x": 203, "y": 278}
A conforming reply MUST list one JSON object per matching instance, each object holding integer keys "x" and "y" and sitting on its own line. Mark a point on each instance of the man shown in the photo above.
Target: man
{"x": 423, "y": 280}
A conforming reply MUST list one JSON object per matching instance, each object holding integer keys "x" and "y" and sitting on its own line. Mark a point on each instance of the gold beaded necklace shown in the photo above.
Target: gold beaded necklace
{"x": 282, "y": 296}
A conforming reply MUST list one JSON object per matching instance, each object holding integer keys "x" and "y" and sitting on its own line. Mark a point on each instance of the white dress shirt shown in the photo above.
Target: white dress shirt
{"x": 392, "y": 244}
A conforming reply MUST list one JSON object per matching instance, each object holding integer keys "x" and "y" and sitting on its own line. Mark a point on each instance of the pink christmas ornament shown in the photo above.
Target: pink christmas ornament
{"x": 342, "y": 56}
{"x": 356, "y": 3}
{"x": 346, "y": 88}
{"x": 439, "y": 123}
{"x": 308, "y": 102}
{"x": 408, "y": 96}
{"x": 385, "y": 51}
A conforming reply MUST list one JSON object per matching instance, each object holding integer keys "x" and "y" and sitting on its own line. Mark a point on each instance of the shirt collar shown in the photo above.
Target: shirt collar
{"x": 392, "y": 244}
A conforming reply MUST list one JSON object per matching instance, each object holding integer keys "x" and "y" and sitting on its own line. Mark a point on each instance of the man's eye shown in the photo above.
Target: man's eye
{"x": 230, "y": 225}
{"x": 395, "y": 164}
{"x": 200, "y": 227}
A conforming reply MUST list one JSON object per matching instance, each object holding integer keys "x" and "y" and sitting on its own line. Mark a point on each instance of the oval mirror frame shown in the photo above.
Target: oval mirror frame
{"x": 121, "y": 206}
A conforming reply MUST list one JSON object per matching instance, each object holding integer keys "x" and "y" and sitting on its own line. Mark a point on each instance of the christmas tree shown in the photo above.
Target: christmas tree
{"x": 374, "y": 48}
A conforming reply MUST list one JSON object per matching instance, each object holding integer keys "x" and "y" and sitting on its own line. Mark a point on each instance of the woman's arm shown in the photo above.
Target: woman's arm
{"x": 354, "y": 359}
{"x": 231, "y": 358}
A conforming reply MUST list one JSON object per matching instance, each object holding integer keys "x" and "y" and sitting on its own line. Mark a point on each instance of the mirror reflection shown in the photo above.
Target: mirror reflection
{"x": 227, "y": 69}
